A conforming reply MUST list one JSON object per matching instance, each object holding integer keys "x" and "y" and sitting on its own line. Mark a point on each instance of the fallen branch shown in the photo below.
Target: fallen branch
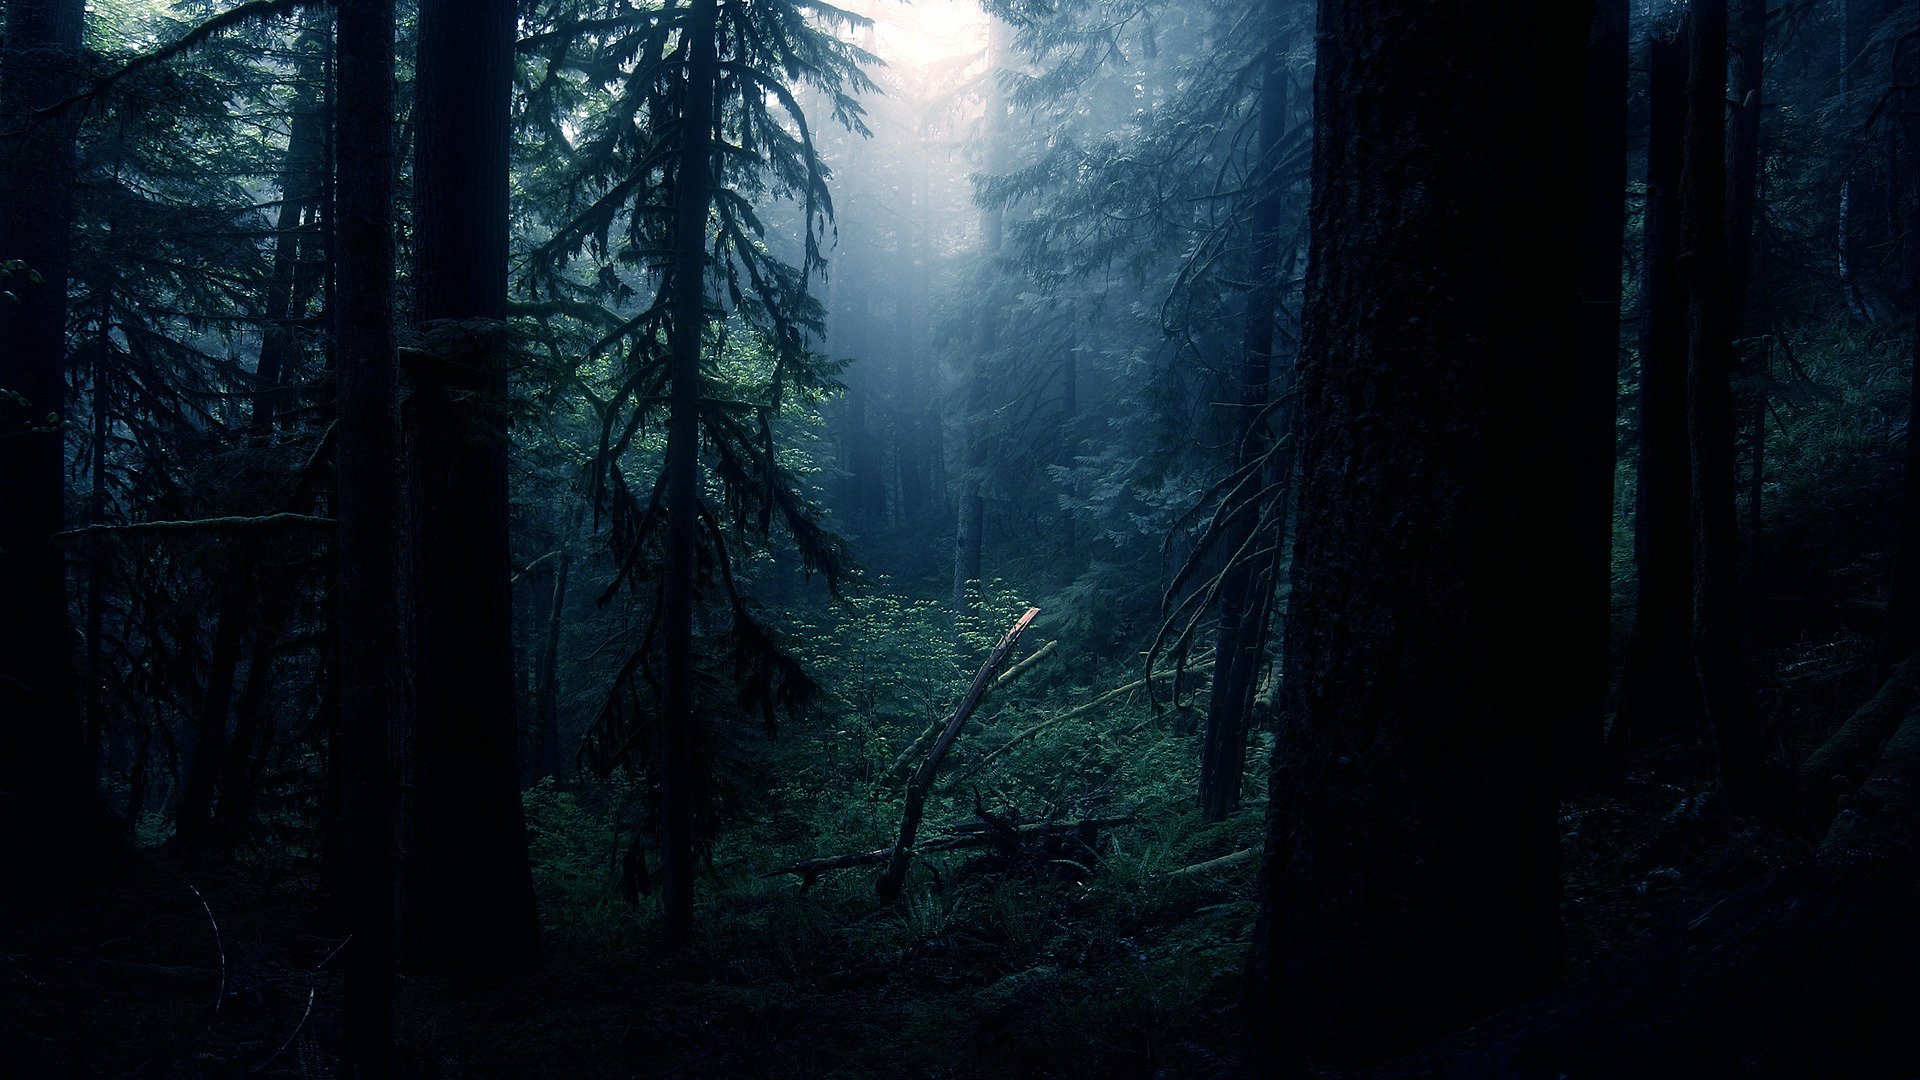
{"x": 1008, "y": 676}
{"x": 922, "y": 782}
{"x": 903, "y": 765}
{"x": 219, "y": 991}
{"x": 810, "y": 869}
{"x": 1221, "y": 863}
{"x": 201, "y": 524}
{"x": 1061, "y": 718}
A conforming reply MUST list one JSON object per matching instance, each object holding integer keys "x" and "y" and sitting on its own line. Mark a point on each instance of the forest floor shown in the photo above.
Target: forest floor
{"x": 993, "y": 967}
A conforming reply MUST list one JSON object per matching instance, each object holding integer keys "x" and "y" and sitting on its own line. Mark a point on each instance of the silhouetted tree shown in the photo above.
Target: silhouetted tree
{"x": 367, "y": 616}
{"x": 1409, "y": 882}
{"x": 1659, "y": 688}
{"x": 1590, "y": 486}
{"x": 470, "y": 901}
{"x": 53, "y": 825}
{"x": 1710, "y": 407}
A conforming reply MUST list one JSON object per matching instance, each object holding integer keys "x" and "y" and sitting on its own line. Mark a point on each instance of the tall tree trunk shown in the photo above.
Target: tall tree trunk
{"x": 54, "y": 829}
{"x": 98, "y": 558}
{"x": 970, "y": 507}
{"x": 1745, "y": 220}
{"x": 470, "y": 882}
{"x": 1710, "y": 410}
{"x": 547, "y": 671}
{"x": 1602, "y": 243}
{"x": 1409, "y": 883}
{"x": 679, "y": 723}
{"x": 1245, "y": 593}
{"x": 1659, "y": 688}
{"x": 367, "y": 498}
{"x": 1901, "y": 635}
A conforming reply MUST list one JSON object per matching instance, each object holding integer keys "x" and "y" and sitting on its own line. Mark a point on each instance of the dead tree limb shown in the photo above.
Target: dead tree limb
{"x": 922, "y": 782}
{"x": 202, "y": 525}
{"x": 1221, "y": 863}
{"x": 1008, "y": 676}
{"x": 903, "y": 765}
{"x": 1061, "y": 718}
{"x": 810, "y": 869}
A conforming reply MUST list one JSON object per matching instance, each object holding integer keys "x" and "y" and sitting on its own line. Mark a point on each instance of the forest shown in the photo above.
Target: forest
{"x": 1030, "y": 538}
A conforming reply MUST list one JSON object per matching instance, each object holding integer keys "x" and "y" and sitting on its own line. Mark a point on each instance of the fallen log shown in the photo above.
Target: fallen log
{"x": 916, "y": 804}
{"x": 1221, "y": 863}
{"x": 1835, "y": 767}
{"x": 810, "y": 869}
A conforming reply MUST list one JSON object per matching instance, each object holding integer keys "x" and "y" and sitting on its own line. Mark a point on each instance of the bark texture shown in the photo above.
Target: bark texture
{"x": 1409, "y": 880}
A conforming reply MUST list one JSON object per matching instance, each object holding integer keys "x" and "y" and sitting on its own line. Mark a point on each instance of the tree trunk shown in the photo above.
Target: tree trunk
{"x": 54, "y": 829}
{"x": 1602, "y": 243}
{"x": 1409, "y": 882}
{"x": 547, "y": 673}
{"x": 1659, "y": 688}
{"x": 1710, "y": 411}
{"x": 470, "y": 904}
{"x": 1246, "y": 594}
{"x": 679, "y": 723}
{"x": 970, "y": 507}
{"x": 1901, "y": 635}
{"x": 367, "y": 494}
{"x": 1747, "y": 52}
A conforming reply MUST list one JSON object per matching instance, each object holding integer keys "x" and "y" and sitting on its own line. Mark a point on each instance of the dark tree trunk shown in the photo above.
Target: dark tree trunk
{"x": 1409, "y": 883}
{"x": 54, "y": 829}
{"x": 1602, "y": 243}
{"x": 206, "y": 747}
{"x": 367, "y": 498}
{"x": 1901, "y": 635}
{"x": 1745, "y": 222}
{"x": 1659, "y": 688}
{"x": 470, "y": 904}
{"x": 1710, "y": 410}
{"x": 679, "y": 723}
{"x": 547, "y": 671}
{"x": 1246, "y": 593}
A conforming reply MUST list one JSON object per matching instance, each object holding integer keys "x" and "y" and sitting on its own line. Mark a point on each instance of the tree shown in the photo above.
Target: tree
{"x": 470, "y": 881}
{"x": 53, "y": 824}
{"x": 686, "y": 326}
{"x": 367, "y": 505}
{"x": 1409, "y": 877}
{"x": 1704, "y": 264}
{"x": 1256, "y": 509}
{"x": 1659, "y": 689}
{"x": 1602, "y": 243}
{"x": 704, "y": 117}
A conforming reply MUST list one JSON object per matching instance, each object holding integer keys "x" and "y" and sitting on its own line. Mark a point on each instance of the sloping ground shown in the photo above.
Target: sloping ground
{"x": 1699, "y": 944}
